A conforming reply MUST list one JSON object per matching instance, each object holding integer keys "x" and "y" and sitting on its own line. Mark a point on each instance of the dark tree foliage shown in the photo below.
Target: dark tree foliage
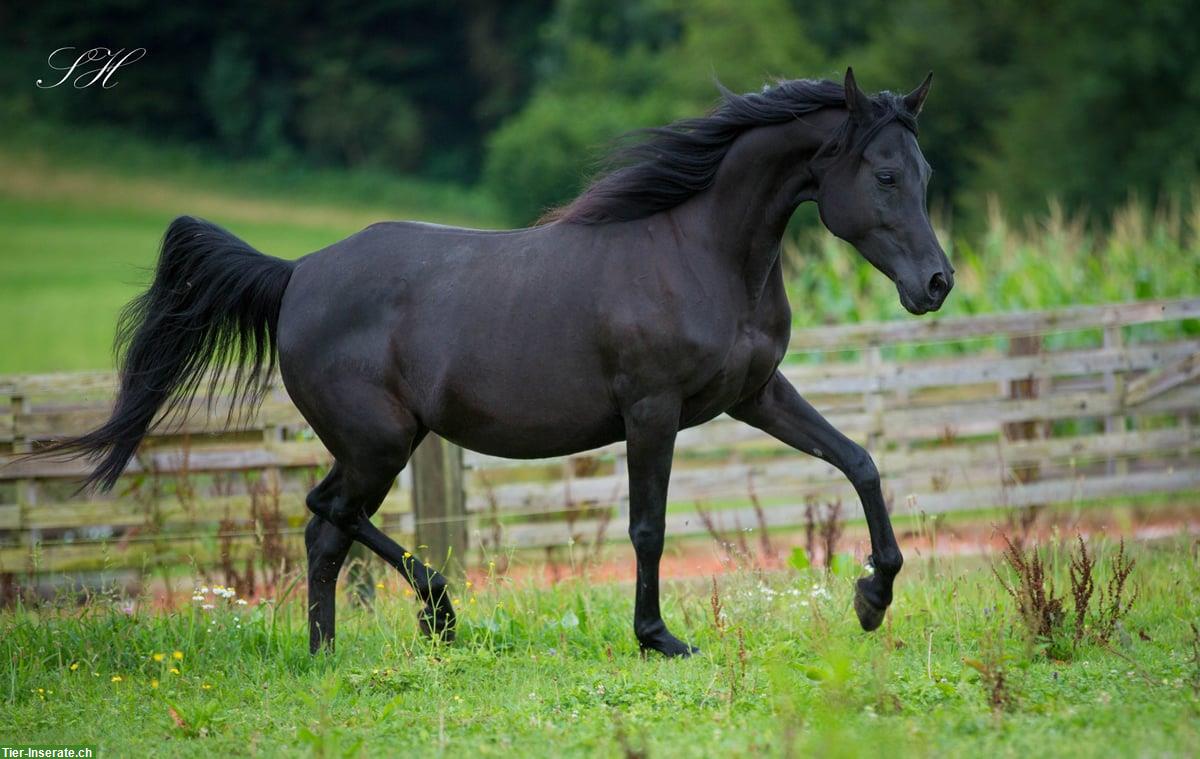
{"x": 1086, "y": 101}
{"x": 409, "y": 85}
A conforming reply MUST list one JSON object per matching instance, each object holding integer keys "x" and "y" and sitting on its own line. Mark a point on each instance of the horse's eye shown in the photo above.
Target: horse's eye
{"x": 886, "y": 178}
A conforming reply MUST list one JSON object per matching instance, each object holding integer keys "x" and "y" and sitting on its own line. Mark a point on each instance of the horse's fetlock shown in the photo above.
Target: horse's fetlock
{"x": 889, "y": 562}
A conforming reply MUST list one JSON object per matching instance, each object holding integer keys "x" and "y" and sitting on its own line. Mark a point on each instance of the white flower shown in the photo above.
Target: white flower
{"x": 242, "y": 602}
{"x": 207, "y": 607}
{"x": 197, "y": 597}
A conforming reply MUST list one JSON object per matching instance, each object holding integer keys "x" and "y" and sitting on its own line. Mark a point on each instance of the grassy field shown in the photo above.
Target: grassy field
{"x": 554, "y": 672}
{"x": 78, "y": 242}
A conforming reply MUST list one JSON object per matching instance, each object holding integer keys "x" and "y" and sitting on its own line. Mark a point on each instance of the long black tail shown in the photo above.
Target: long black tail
{"x": 213, "y": 305}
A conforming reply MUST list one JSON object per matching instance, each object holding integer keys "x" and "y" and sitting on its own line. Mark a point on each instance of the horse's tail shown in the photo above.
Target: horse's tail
{"x": 214, "y": 304}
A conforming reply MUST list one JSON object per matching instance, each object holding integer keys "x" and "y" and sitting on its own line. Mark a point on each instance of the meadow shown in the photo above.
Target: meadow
{"x": 537, "y": 671}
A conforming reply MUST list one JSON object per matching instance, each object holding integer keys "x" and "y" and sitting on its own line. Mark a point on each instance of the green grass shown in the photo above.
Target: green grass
{"x": 82, "y": 226}
{"x": 66, "y": 270}
{"x": 555, "y": 672}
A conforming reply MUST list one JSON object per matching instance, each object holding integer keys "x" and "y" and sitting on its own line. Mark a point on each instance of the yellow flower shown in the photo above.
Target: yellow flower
{"x": 206, "y": 686}
{"x": 174, "y": 671}
{"x": 117, "y": 678}
{"x": 154, "y": 683}
{"x": 472, "y": 599}
{"x": 74, "y": 666}
{"x": 469, "y": 583}
{"x": 407, "y": 555}
{"x": 177, "y": 656}
{"x": 379, "y": 586}
{"x": 159, "y": 657}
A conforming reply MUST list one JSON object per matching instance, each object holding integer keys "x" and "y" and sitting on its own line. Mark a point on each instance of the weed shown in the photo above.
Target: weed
{"x": 717, "y": 613}
{"x": 1082, "y": 587}
{"x": 1113, "y": 605}
{"x": 1041, "y": 609}
{"x": 832, "y": 525}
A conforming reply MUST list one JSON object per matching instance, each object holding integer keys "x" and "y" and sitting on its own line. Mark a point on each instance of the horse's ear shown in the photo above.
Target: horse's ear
{"x": 914, "y": 100}
{"x": 857, "y": 102}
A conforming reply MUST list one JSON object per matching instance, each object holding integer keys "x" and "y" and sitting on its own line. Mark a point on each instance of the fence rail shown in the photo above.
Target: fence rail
{"x": 959, "y": 413}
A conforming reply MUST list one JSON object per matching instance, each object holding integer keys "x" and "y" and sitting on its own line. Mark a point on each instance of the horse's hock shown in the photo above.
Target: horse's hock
{"x": 959, "y": 413}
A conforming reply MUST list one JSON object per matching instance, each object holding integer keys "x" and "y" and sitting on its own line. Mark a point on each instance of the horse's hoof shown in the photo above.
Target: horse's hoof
{"x": 441, "y": 624}
{"x": 870, "y": 615}
{"x": 667, "y": 645}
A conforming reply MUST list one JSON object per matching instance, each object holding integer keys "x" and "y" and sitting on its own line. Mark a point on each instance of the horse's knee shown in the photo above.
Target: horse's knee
{"x": 861, "y": 469}
{"x": 646, "y": 537}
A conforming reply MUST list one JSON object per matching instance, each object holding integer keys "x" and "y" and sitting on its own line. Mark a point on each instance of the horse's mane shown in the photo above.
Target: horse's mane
{"x": 658, "y": 169}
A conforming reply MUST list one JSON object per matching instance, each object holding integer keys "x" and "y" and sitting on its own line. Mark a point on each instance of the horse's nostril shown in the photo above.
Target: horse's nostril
{"x": 938, "y": 286}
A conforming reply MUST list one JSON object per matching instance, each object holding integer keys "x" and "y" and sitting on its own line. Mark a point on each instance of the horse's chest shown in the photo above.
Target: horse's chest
{"x": 749, "y": 363}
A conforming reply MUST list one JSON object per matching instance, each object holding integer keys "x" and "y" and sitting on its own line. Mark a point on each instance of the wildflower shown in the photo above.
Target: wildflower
{"x": 197, "y": 598}
{"x": 379, "y": 586}
{"x": 242, "y": 602}
{"x": 177, "y": 656}
{"x": 469, "y": 583}
{"x": 208, "y": 607}
{"x": 117, "y": 678}
{"x": 74, "y": 666}
{"x": 407, "y": 555}
{"x": 159, "y": 657}
{"x": 154, "y": 683}
{"x": 206, "y": 686}
{"x": 203, "y": 590}
{"x": 472, "y": 599}
{"x": 174, "y": 670}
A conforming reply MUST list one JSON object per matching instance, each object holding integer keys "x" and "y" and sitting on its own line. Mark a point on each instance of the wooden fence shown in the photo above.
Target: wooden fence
{"x": 960, "y": 413}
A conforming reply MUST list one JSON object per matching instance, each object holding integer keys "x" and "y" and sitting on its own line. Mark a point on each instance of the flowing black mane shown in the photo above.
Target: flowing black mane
{"x": 670, "y": 164}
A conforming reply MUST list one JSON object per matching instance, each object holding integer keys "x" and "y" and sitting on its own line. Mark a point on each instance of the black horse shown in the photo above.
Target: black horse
{"x": 653, "y": 302}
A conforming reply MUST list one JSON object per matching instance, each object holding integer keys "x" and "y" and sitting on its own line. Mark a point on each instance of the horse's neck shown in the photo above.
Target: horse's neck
{"x": 761, "y": 181}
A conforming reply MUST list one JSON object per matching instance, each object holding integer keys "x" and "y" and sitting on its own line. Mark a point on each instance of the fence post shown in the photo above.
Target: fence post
{"x": 1024, "y": 389}
{"x": 1114, "y": 384}
{"x": 439, "y": 504}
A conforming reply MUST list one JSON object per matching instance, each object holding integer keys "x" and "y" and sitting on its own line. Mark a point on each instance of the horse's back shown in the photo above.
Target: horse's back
{"x": 487, "y": 337}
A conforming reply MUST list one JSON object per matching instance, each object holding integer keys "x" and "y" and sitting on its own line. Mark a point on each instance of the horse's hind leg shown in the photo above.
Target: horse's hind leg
{"x": 343, "y": 504}
{"x": 326, "y": 547}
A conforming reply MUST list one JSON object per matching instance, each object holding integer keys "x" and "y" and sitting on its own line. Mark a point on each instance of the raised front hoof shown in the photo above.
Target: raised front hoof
{"x": 870, "y": 613}
{"x": 666, "y": 644}
{"x": 437, "y": 622}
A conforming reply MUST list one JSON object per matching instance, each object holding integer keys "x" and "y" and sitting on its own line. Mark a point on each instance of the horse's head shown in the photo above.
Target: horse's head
{"x": 872, "y": 182}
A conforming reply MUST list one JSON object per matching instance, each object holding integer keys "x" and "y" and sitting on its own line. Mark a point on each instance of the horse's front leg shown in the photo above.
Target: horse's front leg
{"x": 650, "y": 428}
{"x": 779, "y": 411}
